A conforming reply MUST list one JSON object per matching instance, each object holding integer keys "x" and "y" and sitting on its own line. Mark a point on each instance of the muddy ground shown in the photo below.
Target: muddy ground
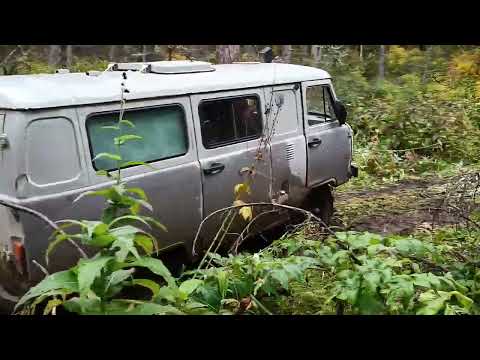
{"x": 402, "y": 208}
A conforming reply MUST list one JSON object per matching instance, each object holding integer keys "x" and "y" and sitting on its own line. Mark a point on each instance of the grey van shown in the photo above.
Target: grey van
{"x": 201, "y": 125}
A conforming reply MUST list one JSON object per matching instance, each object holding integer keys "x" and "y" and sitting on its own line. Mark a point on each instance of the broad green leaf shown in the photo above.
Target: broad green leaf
{"x": 149, "y": 284}
{"x": 145, "y": 242}
{"x": 155, "y": 222}
{"x": 120, "y": 140}
{"x": 109, "y": 156}
{"x": 465, "y": 301}
{"x": 89, "y": 270}
{"x": 189, "y": 286}
{"x": 157, "y": 267}
{"x": 127, "y": 122}
{"x": 138, "y": 191}
{"x": 83, "y": 306}
{"x": 125, "y": 245}
{"x": 128, "y": 217}
{"x": 167, "y": 293}
{"x": 146, "y": 309}
{"x": 61, "y": 280}
{"x": 118, "y": 276}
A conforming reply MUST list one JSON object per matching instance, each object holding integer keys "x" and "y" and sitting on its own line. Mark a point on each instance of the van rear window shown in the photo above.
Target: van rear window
{"x": 163, "y": 132}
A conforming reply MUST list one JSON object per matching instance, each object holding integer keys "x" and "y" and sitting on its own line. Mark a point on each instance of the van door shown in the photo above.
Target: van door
{"x": 289, "y": 158}
{"x": 168, "y": 144}
{"x": 328, "y": 142}
{"x": 228, "y": 127}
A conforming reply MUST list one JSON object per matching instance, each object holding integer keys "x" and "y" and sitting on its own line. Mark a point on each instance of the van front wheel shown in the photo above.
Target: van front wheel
{"x": 320, "y": 203}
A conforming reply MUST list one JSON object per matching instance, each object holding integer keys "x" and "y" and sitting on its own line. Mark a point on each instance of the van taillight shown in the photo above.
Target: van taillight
{"x": 19, "y": 255}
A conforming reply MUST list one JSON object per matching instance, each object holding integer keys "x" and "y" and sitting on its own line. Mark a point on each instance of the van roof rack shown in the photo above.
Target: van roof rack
{"x": 164, "y": 67}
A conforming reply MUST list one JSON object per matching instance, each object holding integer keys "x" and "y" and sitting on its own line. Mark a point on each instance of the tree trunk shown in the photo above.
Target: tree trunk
{"x": 226, "y": 54}
{"x": 54, "y": 55}
{"x": 316, "y": 53}
{"x": 361, "y": 53}
{"x": 381, "y": 63}
{"x": 69, "y": 56}
{"x": 287, "y": 53}
{"x": 144, "y": 53}
{"x": 112, "y": 52}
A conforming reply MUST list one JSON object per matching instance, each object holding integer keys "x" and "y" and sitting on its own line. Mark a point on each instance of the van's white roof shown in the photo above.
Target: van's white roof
{"x": 24, "y": 92}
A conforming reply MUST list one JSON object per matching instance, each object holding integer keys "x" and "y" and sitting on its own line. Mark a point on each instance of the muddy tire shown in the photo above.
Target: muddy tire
{"x": 320, "y": 202}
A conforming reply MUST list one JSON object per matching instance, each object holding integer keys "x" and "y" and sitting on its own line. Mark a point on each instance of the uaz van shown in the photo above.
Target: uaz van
{"x": 201, "y": 125}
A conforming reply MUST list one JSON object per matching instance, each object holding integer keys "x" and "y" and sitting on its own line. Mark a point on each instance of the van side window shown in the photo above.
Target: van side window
{"x": 228, "y": 121}
{"x": 163, "y": 131}
{"x": 319, "y": 105}
{"x": 51, "y": 158}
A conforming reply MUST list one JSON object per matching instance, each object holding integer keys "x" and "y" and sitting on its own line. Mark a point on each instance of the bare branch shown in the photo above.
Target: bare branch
{"x": 45, "y": 219}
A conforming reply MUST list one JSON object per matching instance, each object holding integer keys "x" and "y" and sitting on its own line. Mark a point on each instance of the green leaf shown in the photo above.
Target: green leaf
{"x": 127, "y": 122}
{"x": 120, "y": 140}
{"x": 155, "y": 222}
{"x": 83, "y": 306}
{"x": 145, "y": 242}
{"x": 109, "y": 156}
{"x": 110, "y": 127}
{"x": 149, "y": 284}
{"x": 128, "y": 217}
{"x": 189, "y": 286}
{"x": 137, "y": 191}
{"x": 157, "y": 267}
{"x": 118, "y": 276}
{"x": 66, "y": 280}
{"x": 125, "y": 245}
{"x": 167, "y": 293}
{"x": 89, "y": 270}
{"x": 145, "y": 309}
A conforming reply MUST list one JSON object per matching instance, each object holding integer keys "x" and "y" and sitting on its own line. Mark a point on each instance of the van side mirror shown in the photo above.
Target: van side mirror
{"x": 340, "y": 112}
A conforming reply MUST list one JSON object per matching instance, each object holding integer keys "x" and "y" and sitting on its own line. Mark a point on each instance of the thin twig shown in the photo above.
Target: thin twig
{"x": 41, "y": 268}
{"x": 308, "y": 214}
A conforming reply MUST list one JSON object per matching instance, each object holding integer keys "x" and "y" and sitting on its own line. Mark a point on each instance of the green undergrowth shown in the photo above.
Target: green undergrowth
{"x": 364, "y": 273}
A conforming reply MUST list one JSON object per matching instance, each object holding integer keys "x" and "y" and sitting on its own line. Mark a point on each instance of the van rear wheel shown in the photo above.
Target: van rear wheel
{"x": 320, "y": 203}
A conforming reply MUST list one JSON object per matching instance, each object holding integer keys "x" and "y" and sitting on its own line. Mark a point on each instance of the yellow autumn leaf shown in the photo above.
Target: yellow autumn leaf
{"x": 246, "y": 213}
{"x": 239, "y": 202}
{"x": 241, "y": 188}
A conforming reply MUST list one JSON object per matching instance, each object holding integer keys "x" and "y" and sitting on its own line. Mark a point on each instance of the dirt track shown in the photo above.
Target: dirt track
{"x": 402, "y": 208}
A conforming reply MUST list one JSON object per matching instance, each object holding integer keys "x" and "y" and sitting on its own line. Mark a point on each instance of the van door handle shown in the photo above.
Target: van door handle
{"x": 214, "y": 168}
{"x": 314, "y": 143}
